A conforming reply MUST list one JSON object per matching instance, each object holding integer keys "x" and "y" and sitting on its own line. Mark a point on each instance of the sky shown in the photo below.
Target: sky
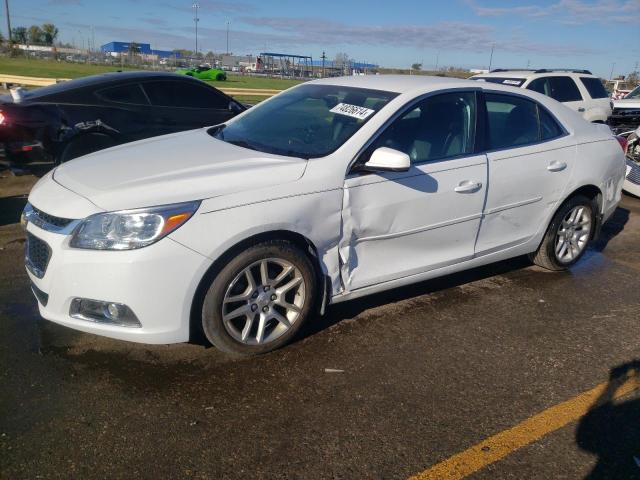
{"x": 600, "y": 35}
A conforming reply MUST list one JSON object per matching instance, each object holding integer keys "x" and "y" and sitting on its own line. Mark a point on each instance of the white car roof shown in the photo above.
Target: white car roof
{"x": 402, "y": 83}
{"x": 533, "y": 74}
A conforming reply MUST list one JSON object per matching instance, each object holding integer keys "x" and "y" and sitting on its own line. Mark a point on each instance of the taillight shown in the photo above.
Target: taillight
{"x": 2, "y": 118}
{"x": 623, "y": 143}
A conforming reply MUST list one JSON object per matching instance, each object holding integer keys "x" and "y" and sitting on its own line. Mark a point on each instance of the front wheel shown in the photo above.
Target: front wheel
{"x": 568, "y": 235}
{"x": 259, "y": 301}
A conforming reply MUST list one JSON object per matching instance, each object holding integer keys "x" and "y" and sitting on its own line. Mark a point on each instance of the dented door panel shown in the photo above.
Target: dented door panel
{"x": 400, "y": 224}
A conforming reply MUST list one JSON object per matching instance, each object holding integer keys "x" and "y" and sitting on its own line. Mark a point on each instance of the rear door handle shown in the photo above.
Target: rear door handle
{"x": 581, "y": 109}
{"x": 556, "y": 166}
{"x": 468, "y": 186}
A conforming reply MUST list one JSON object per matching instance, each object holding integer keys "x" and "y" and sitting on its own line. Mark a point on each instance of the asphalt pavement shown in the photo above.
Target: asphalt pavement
{"x": 415, "y": 376}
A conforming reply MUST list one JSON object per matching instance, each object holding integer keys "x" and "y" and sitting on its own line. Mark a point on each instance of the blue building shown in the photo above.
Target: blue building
{"x": 118, "y": 48}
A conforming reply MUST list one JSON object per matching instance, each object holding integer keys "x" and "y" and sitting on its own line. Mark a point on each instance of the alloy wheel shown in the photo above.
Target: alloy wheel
{"x": 573, "y": 234}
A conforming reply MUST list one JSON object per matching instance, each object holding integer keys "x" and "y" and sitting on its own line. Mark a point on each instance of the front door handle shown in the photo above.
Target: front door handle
{"x": 581, "y": 109}
{"x": 556, "y": 166}
{"x": 468, "y": 186}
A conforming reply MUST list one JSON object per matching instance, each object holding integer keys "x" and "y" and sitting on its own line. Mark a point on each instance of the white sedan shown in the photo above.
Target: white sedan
{"x": 332, "y": 190}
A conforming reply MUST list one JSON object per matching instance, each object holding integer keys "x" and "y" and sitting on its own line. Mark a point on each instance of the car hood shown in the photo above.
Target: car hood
{"x": 173, "y": 168}
{"x": 627, "y": 103}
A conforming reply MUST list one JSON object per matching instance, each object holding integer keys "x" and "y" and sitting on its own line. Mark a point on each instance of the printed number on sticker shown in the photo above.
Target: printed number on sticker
{"x": 352, "y": 111}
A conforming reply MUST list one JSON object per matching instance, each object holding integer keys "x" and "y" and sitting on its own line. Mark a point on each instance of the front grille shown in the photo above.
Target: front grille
{"x": 37, "y": 255}
{"x": 634, "y": 173}
{"x": 50, "y": 219}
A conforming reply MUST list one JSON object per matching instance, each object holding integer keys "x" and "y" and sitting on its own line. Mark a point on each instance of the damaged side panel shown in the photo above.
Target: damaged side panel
{"x": 399, "y": 224}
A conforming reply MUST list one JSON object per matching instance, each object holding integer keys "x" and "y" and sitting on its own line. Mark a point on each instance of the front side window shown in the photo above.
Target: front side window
{"x": 307, "y": 121}
{"x": 437, "y": 127}
{"x": 541, "y": 85}
{"x": 595, "y": 87}
{"x": 129, "y": 94}
{"x": 184, "y": 95}
{"x": 514, "y": 121}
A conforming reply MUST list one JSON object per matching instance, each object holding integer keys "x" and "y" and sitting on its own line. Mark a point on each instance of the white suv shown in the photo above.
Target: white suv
{"x": 577, "y": 89}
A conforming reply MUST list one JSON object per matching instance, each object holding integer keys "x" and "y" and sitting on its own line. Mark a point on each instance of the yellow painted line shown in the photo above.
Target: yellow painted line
{"x": 502, "y": 444}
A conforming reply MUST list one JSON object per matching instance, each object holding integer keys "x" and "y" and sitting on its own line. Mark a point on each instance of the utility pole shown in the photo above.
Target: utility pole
{"x": 612, "y": 67}
{"x": 437, "y": 59}
{"x": 6, "y": 11}
{"x": 195, "y": 7}
{"x": 323, "y": 57}
{"x": 228, "y": 22}
{"x": 491, "y": 56}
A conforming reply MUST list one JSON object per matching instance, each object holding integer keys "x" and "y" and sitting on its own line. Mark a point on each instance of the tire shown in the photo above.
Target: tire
{"x": 83, "y": 145}
{"x": 230, "y": 292}
{"x": 221, "y": 77}
{"x": 556, "y": 254}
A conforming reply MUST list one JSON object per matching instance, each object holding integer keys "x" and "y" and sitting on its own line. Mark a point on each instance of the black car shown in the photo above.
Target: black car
{"x": 70, "y": 119}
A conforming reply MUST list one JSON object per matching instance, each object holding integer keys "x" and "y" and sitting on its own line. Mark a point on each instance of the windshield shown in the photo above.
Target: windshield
{"x": 514, "y": 82}
{"x": 635, "y": 93}
{"x": 308, "y": 121}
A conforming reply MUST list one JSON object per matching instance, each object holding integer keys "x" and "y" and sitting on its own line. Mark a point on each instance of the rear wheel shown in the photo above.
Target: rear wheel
{"x": 568, "y": 235}
{"x": 83, "y": 145}
{"x": 220, "y": 77}
{"x": 259, "y": 301}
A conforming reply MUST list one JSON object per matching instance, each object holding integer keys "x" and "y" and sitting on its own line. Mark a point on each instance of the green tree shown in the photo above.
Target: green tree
{"x": 50, "y": 33}
{"x": 416, "y": 66}
{"x": 19, "y": 34}
{"x": 35, "y": 35}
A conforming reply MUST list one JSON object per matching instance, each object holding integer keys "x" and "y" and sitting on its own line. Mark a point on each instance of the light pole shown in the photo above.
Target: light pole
{"x": 195, "y": 7}
{"x": 228, "y": 22}
{"x": 6, "y": 11}
{"x": 612, "y": 67}
{"x": 491, "y": 56}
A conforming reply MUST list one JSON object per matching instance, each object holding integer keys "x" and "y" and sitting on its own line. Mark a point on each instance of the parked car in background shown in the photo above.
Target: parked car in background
{"x": 577, "y": 89}
{"x": 632, "y": 148}
{"x": 73, "y": 118}
{"x": 205, "y": 72}
{"x": 333, "y": 189}
{"x": 626, "y": 112}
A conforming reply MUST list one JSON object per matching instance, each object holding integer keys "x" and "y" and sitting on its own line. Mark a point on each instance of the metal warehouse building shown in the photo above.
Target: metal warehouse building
{"x": 117, "y": 48}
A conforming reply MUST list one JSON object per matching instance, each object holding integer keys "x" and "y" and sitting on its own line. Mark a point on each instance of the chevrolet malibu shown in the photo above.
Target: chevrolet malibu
{"x": 332, "y": 190}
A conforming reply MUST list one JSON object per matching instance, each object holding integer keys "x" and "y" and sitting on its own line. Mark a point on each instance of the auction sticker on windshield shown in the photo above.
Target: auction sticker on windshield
{"x": 354, "y": 111}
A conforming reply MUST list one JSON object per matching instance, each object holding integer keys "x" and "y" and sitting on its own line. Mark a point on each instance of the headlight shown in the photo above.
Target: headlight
{"x": 129, "y": 229}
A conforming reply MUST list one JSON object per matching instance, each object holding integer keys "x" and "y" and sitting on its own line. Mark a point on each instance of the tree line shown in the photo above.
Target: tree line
{"x": 45, "y": 34}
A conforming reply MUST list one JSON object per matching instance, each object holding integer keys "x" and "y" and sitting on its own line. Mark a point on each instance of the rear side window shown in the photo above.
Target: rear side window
{"x": 515, "y": 121}
{"x": 130, "y": 94}
{"x": 562, "y": 89}
{"x": 595, "y": 87}
{"x": 549, "y": 128}
{"x": 184, "y": 95}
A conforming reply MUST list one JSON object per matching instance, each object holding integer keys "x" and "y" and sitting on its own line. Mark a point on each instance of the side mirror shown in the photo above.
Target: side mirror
{"x": 386, "y": 159}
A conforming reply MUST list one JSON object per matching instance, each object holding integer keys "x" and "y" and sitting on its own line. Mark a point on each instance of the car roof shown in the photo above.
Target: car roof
{"x": 101, "y": 79}
{"x": 397, "y": 83}
{"x": 535, "y": 73}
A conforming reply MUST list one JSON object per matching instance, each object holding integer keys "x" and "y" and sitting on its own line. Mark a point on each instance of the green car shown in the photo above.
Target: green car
{"x": 204, "y": 73}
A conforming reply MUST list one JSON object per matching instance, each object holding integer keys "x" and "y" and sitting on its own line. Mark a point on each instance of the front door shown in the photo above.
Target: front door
{"x": 400, "y": 224}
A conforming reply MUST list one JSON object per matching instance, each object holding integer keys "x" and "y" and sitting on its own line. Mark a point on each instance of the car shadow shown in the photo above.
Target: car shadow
{"x": 611, "y": 229}
{"x": 350, "y": 309}
{"x": 11, "y": 209}
{"x": 612, "y": 430}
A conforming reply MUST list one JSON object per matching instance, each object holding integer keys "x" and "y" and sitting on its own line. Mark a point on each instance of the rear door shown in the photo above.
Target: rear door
{"x": 177, "y": 106}
{"x": 397, "y": 224}
{"x": 530, "y": 160}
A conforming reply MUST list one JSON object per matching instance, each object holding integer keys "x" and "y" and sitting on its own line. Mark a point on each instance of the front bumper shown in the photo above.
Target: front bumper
{"x": 157, "y": 283}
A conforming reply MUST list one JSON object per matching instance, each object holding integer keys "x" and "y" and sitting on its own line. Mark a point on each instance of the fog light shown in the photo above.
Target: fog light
{"x": 103, "y": 312}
